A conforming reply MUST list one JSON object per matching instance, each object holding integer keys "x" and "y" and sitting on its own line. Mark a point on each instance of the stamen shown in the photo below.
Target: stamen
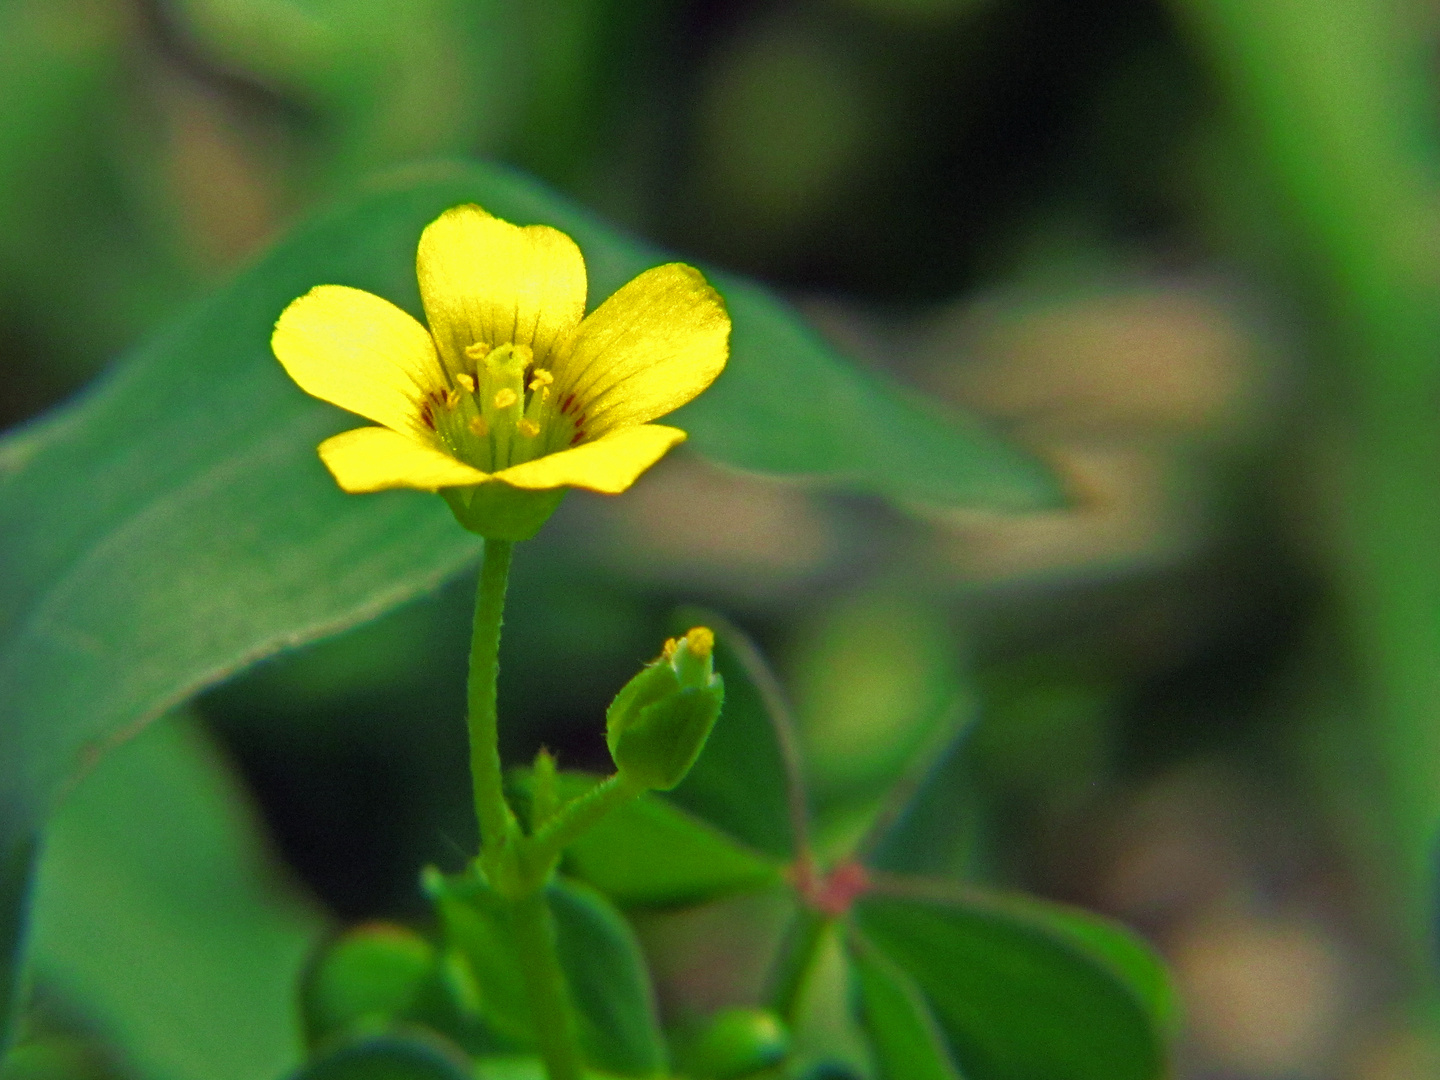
{"x": 477, "y": 351}
{"x": 667, "y": 651}
{"x": 466, "y": 381}
{"x": 528, "y": 428}
{"x": 505, "y": 397}
{"x": 701, "y": 640}
{"x": 452, "y": 398}
{"x": 478, "y": 427}
{"x": 540, "y": 378}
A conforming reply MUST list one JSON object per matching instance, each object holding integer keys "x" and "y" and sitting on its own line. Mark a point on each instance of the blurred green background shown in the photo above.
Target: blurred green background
{"x": 1186, "y": 252}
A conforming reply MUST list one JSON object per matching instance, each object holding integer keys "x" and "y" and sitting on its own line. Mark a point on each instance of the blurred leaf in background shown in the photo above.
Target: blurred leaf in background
{"x": 161, "y": 916}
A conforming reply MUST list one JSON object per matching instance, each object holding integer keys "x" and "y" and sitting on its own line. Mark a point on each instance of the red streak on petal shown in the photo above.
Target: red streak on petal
{"x": 576, "y": 437}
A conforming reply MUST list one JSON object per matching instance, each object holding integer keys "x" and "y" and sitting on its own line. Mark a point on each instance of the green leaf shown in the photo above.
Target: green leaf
{"x": 158, "y": 915}
{"x": 17, "y": 875}
{"x": 1017, "y": 998}
{"x": 651, "y": 852}
{"x": 519, "y": 1067}
{"x": 907, "y": 1041}
{"x": 787, "y": 405}
{"x": 1127, "y": 957}
{"x": 604, "y": 968}
{"x": 738, "y": 783}
{"x": 389, "y": 1057}
{"x": 609, "y": 982}
{"x": 173, "y": 525}
{"x": 826, "y": 1036}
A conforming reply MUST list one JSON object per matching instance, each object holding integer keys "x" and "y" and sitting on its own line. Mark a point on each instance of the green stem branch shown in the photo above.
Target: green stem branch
{"x": 575, "y": 817}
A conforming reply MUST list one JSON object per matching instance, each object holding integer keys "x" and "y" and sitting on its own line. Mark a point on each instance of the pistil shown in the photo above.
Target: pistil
{"x": 502, "y": 399}
{"x": 501, "y": 413}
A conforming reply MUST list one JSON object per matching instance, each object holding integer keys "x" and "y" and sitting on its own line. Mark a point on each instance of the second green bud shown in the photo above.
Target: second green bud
{"x": 657, "y": 725}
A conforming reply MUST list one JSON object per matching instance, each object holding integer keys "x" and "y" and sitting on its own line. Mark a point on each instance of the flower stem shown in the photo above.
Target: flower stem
{"x": 493, "y": 813}
{"x": 545, "y": 988}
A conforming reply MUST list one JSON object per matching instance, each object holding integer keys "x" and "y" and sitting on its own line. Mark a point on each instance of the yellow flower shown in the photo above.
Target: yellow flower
{"x": 513, "y": 395}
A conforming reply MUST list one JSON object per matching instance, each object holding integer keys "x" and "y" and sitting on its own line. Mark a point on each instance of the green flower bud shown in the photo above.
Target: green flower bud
{"x": 738, "y": 1042}
{"x": 369, "y": 978}
{"x": 657, "y": 725}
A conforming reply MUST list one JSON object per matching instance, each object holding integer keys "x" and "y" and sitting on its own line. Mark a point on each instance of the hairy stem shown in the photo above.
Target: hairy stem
{"x": 576, "y": 816}
{"x": 491, "y": 810}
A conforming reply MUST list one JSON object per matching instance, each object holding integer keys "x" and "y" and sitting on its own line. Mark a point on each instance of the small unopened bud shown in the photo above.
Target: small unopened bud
{"x": 373, "y": 976}
{"x": 738, "y": 1042}
{"x": 657, "y": 725}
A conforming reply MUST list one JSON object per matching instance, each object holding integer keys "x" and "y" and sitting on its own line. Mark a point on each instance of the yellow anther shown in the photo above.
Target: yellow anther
{"x": 452, "y": 398}
{"x": 701, "y": 640}
{"x": 466, "y": 381}
{"x": 540, "y": 378}
{"x": 667, "y": 651}
{"x": 505, "y": 397}
{"x": 477, "y": 351}
{"x": 528, "y": 428}
{"x": 478, "y": 427}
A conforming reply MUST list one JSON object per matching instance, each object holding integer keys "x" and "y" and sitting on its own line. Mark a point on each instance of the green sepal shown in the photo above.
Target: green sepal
{"x": 497, "y": 511}
{"x": 656, "y": 728}
{"x": 658, "y": 723}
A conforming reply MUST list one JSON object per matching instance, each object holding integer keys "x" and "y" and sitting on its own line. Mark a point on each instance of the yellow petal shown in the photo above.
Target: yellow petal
{"x": 483, "y": 279}
{"x": 355, "y": 350}
{"x": 373, "y": 459}
{"x": 609, "y": 465}
{"x": 647, "y": 350}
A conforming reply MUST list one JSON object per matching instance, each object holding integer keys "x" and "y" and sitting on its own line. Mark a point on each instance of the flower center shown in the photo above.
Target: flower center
{"x": 502, "y": 411}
